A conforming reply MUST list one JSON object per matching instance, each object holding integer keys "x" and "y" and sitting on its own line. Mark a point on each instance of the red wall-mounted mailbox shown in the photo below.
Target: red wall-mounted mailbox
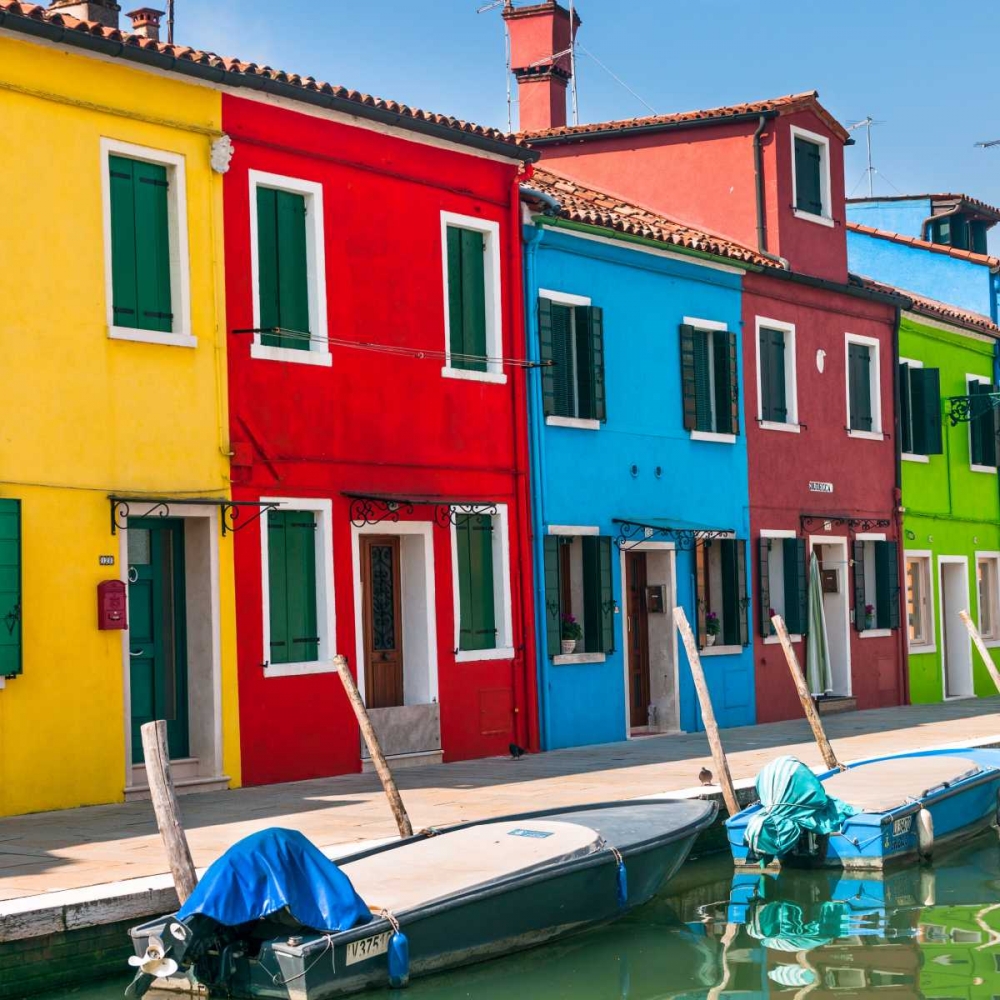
{"x": 112, "y": 608}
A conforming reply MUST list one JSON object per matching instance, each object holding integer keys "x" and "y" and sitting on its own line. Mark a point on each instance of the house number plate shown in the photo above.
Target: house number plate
{"x": 815, "y": 487}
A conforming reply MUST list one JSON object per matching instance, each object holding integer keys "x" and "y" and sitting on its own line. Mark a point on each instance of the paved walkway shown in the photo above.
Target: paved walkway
{"x": 48, "y": 852}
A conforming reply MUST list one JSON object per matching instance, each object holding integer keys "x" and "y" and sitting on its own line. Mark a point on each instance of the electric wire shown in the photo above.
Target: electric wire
{"x": 616, "y": 78}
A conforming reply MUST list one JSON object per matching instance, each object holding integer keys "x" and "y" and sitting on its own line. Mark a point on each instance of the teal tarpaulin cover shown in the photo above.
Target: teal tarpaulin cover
{"x": 792, "y": 800}
{"x": 275, "y": 870}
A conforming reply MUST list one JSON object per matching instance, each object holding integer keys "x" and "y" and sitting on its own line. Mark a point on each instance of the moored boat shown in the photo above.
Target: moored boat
{"x": 269, "y": 919}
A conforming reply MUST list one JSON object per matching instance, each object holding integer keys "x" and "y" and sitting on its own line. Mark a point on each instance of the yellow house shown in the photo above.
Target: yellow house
{"x": 114, "y": 433}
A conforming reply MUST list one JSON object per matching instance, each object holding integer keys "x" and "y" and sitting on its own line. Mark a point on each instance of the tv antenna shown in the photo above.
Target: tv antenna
{"x": 484, "y": 9}
{"x": 988, "y": 145}
{"x": 170, "y": 22}
{"x": 866, "y": 123}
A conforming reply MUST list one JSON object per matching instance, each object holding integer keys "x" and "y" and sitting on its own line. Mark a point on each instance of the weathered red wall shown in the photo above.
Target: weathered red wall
{"x": 373, "y": 422}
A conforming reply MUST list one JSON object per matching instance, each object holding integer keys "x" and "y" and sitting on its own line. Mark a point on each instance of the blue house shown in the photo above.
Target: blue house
{"x": 933, "y": 244}
{"x": 639, "y": 466}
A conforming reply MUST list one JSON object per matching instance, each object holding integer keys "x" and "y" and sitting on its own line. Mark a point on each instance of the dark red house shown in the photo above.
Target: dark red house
{"x": 819, "y": 349}
{"x": 377, "y": 416}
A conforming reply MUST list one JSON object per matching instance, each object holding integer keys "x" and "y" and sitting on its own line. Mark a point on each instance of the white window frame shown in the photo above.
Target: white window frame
{"x": 780, "y": 534}
{"x": 710, "y": 326}
{"x": 319, "y": 347}
{"x": 826, "y": 218}
{"x": 875, "y": 434}
{"x": 494, "y": 310}
{"x": 180, "y": 263}
{"x": 872, "y": 536}
{"x": 910, "y": 456}
{"x": 791, "y": 377}
{"x": 990, "y": 470}
{"x": 993, "y": 557}
{"x": 568, "y": 299}
{"x": 579, "y": 531}
{"x": 502, "y": 610}
{"x": 926, "y": 557}
{"x": 326, "y": 620}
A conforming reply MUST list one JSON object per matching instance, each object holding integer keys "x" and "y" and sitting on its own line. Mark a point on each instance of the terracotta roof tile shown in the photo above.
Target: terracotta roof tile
{"x": 597, "y": 208}
{"x": 237, "y": 67}
{"x": 914, "y": 241}
{"x": 781, "y": 105}
{"x": 984, "y": 206}
{"x": 925, "y": 306}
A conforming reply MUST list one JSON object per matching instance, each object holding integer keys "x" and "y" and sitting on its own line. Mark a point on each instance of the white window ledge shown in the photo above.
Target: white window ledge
{"x": 774, "y": 425}
{"x": 920, "y": 650}
{"x": 990, "y": 470}
{"x": 773, "y": 640}
{"x": 300, "y": 669}
{"x": 474, "y": 655}
{"x": 152, "y": 337}
{"x": 721, "y": 650}
{"x": 712, "y": 436}
{"x": 498, "y": 378}
{"x": 267, "y": 352}
{"x": 866, "y": 435}
{"x": 565, "y": 659}
{"x": 909, "y": 456}
{"x": 579, "y": 423}
{"x": 822, "y": 220}
{"x": 991, "y": 643}
{"x": 875, "y": 633}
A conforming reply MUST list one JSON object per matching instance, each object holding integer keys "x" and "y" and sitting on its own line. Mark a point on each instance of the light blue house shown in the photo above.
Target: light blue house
{"x": 639, "y": 466}
{"x": 933, "y": 244}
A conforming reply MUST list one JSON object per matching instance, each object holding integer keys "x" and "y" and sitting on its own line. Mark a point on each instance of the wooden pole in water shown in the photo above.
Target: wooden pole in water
{"x": 168, "y": 818}
{"x": 707, "y": 714}
{"x": 802, "y": 689}
{"x": 374, "y": 747}
{"x": 977, "y": 640}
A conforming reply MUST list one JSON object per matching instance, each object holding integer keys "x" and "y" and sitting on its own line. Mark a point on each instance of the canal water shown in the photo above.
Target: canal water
{"x": 931, "y": 931}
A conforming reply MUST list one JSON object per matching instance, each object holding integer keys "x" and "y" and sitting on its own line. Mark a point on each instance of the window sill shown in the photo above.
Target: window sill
{"x": 497, "y": 378}
{"x": 773, "y": 425}
{"x": 921, "y": 649}
{"x": 721, "y": 650}
{"x": 152, "y": 337}
{"x": 991, "y": 643}
{"x": 866, "y": 435}
{"x": 822, "y": 220}
{"x": 579, "y": 423}
{"x": 474, "y": 655}
{"x": 773, "y": 640}
{"x": 565, "y": 659}
{"x": 713, "y": 436}
{"x": 990, "y": 470}
{"x": 265, "y": 352}
{"x": 299, "y": 669}
{"x": 909, "y": 456}
{"x": 875, "y": 633}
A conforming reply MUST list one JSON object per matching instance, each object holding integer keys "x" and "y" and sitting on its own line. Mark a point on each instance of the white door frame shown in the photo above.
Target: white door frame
{"x": 842, "y": 541}
{"x": 970, "y": 687}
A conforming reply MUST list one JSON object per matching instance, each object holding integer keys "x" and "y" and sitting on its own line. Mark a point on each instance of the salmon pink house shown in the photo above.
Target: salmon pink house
{"x": 378, "y": 420}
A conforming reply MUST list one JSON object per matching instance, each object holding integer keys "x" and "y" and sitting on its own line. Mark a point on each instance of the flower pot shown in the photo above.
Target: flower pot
{"x": 568, "y": 646}
{"x": 869, "y": 622}
{"x": 710, "y": 640}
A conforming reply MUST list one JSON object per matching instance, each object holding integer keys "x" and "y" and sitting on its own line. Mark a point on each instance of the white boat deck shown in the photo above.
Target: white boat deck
{"x": 888, "y": 784}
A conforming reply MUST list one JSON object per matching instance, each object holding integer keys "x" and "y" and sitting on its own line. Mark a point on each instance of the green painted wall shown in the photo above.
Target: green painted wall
{"x": 950, "y": 510}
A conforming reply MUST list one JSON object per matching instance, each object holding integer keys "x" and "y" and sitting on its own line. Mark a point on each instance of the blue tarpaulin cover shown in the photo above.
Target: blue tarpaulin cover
{"x": 273, "y": 869}
{"x": 792, "y": 800}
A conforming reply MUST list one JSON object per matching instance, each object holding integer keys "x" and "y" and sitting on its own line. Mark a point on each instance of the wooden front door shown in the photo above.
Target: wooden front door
{"x": 383, "y": 623}
{"x": 638, "y": 639}
{"x": 157, "y": 636}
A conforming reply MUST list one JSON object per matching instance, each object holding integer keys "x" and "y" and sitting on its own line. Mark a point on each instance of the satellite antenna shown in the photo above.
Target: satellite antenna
{"x": 483, "y": 9}
{"x": 866, "y": 123}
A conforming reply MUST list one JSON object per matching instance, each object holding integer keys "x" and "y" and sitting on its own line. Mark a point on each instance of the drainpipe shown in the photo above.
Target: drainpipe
{"x": 995, "y": 296}
{"x": 758, "y": 172}
{"x": 925, "y": 225}
{"x": 897, "y": 506}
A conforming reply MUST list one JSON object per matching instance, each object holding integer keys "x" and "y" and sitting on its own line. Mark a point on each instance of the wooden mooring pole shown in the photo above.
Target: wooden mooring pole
{"x": 977, "y": 640}
{"x": 168, "y": 817}
{"x": 802, "y": 689}
{"x": 707, "y": 714}
{"x": 374, "y": 747}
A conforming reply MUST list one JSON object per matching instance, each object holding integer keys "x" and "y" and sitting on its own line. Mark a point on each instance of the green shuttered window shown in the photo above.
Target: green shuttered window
{"x": 590, "y": 571}
{"x": 283, "y": 269}
{"x": 983, "y": 427}
{"x": 721, "y": 585}
{"x": 571, "y": 339}
{"x": 773, "y": 388}
{"x": 10, "y": 588}
{"x": 140, "y": 245}
{"x": 709, "y": 380}
{"x": 876, "y": 585}
{"x": 809, "y": 176}
{"x": 783, "y": 584}
{"x": 920, "y": 410}
{"x": 476, "y": 589}
{"x": 291, "y": 565}
{"x": 467, "y": 319}
{"x": 859, "y": 387}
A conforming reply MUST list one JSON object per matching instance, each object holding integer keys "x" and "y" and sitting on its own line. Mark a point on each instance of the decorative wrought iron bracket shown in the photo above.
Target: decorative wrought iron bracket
{"x": 633, "y": 533}
{"x": 853, "y": 524}
{"x": 230, "y": 516}
{"x": 447, "y": 514}
{"x": 963, "y": 409}
{"x": 375, "y": 510}
{"x": 378, "y": 509}
{"x": 11, "y": 619}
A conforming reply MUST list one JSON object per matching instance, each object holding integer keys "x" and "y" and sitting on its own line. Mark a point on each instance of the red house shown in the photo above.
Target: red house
{"x": 378, "y": 418}
{"x": 820, "y": 349}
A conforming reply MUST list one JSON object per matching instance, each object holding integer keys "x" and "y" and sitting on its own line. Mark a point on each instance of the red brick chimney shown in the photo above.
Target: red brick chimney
{"x": 146, "y": 22}
{"x": 540, "y": 40}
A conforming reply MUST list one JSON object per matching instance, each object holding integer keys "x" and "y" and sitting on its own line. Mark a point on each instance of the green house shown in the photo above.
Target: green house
{"x": 959, "y": 950}
{"x": 949, "y": 423}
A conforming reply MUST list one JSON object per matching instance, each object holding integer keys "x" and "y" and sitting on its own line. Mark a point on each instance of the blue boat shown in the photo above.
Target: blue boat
{"x": 871, "y": 814}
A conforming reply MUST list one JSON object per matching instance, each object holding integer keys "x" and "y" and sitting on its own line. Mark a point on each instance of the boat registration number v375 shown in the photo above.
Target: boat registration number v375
{"x": 358, "y": 951}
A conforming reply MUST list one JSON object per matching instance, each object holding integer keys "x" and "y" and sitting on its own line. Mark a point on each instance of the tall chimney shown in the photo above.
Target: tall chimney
{"x": 540, "y": 41}
{"x": 103, "y": 12}
{"x": 146, "y": 22}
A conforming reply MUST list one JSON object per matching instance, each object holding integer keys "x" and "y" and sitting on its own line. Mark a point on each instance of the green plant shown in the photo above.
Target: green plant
{"x": 712, "y": 624}
{"x": 571, "y": 629}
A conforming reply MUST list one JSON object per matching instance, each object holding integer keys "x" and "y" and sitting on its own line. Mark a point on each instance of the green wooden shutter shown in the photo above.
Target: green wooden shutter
{"x": 906, "y": 406}
{"x": 124, "y": 304}
{"x": 11, "y": 656}
{"x": 456, "y": 309}
{"x": 546, "y": 353}
{"x": 742, "y": 597}
{"x": 700, "y": 589}
{"x": 793, "y": 556}
{"x": 688, "y": 380}
{"x": 267, "y": 265}
{"x": 730, "y": 593}
{"x": 988, "y": 429}
{"x": 721, "y": 388}
{"x": 859, "y": 586}
{"x": 563, "y": 372}
{"x": 763, "y": 551}
{"x": 467, "y": 298}
{"x": 887, "y": 614}
{"x": 598, "y": 599}
{"x": 732, "y": 382}
{"x": 702, "y": 381}
{"x": 553, "y": 594}
{"x": 808, "y": 183}
{"x": 859, "y": 373}
{"x": 477, "y": 611}
{"x": 607, "y": 596}
{"x": 975, "y": 427}
{"x": 774, "y": 405}
{"x": 590, "y": 362}
{"x": 925, "y": 399}
{"x": 152, "y": 247}
{"x": 803, "y": 594}
{"x": 300, "y": 572}
{"x": 293, "y": 272}
{"x": 277, "y": 584}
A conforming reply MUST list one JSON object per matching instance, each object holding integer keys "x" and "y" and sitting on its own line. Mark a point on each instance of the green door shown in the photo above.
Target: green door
{"x": 157, "y": 635}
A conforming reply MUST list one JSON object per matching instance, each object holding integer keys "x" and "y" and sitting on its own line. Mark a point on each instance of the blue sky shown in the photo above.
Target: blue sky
{"x": 924, "y": 67}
